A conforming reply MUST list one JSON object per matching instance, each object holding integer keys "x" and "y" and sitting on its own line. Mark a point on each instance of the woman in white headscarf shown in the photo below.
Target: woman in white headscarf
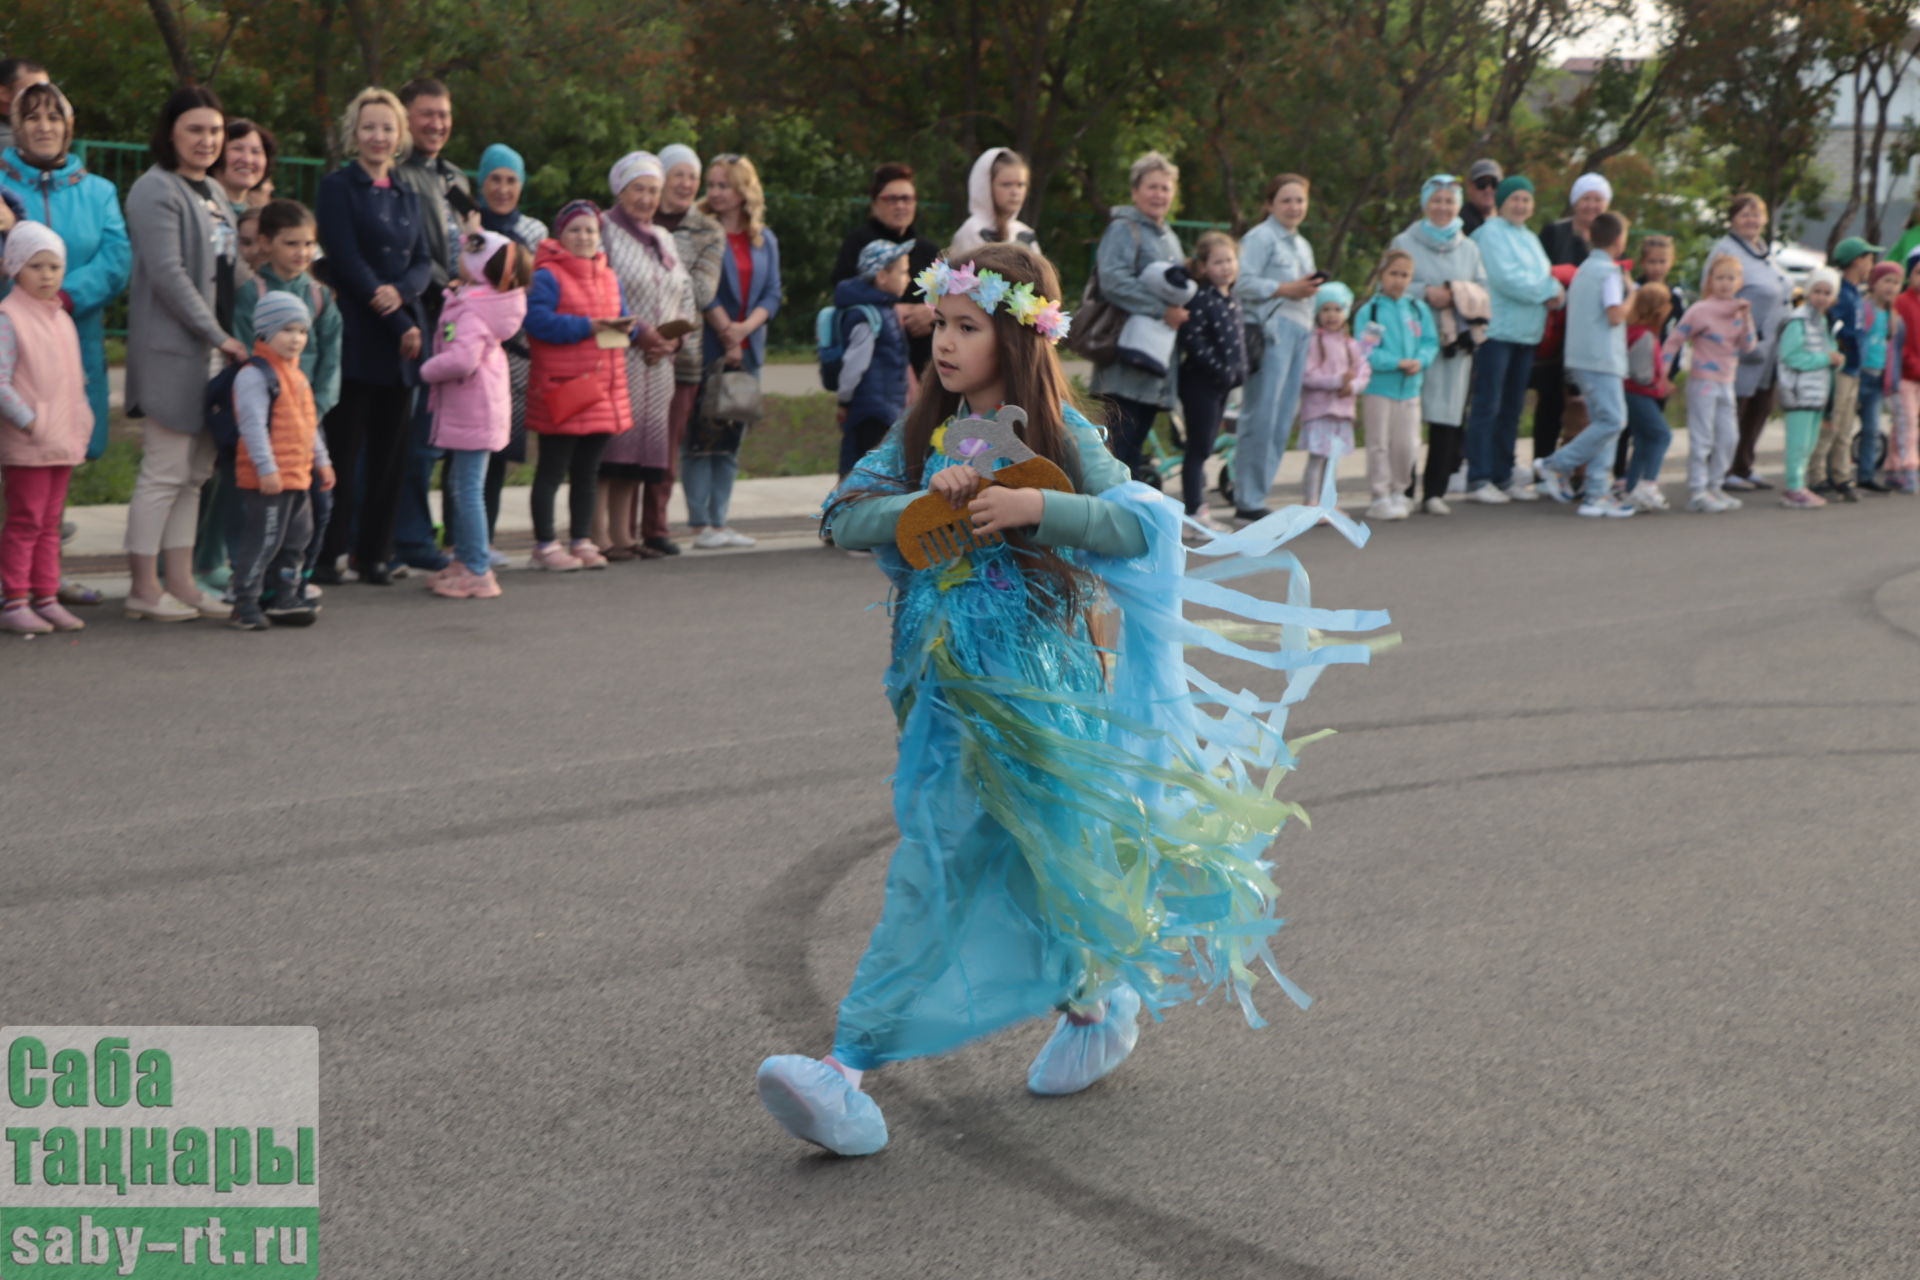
{"x": 996, "y": 192}
{"x": 656, "y": 290}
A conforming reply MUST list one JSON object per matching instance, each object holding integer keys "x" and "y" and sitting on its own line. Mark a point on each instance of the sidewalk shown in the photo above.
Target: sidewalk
{"x": 781, "y": 511}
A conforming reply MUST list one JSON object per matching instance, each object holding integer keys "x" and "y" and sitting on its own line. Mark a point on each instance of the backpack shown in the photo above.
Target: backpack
{"x": 830, "y": 338}
{"x": 223, "y": 421}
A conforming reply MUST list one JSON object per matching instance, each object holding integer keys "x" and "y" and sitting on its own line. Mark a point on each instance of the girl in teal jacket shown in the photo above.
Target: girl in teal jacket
{"x": 84, "y": 209}
{"x": 1406, "y": 341}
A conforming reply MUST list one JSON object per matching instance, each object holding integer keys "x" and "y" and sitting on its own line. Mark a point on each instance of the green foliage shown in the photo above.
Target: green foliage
{"x": 107, "y": 479}
{"x": 799, "y": 436}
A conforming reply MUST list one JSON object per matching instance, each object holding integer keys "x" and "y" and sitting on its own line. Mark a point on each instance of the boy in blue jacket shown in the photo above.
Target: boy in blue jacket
{"x": 873, "y": 372}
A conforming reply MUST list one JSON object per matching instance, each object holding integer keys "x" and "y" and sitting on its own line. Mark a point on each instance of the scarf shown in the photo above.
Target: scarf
{"x": 502, "y": 224}
{"x": 659, "y": 241}
{"x": 1442, "y": 236}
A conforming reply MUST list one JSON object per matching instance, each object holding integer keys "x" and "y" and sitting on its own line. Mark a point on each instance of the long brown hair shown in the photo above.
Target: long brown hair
{"x": 1032, "y": 377}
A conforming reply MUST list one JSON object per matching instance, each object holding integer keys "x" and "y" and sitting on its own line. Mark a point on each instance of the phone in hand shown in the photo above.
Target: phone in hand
{"x": 1319, "y": 277}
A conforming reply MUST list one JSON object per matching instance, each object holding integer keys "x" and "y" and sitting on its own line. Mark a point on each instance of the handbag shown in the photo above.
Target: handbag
{"x": 1095, "y": 335}
{"x": 1256, "y": 340}
{"x": 731, "y": 395}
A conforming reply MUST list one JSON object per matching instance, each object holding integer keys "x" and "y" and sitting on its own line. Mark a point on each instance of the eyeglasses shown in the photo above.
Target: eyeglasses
{"x": 726, "y": 157}
{"x": 908, "y": 198}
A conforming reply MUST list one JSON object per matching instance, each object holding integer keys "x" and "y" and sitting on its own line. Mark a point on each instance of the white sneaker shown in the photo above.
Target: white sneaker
{"x": 1384, "y": 509}
{"x": 1703, "y": 501}
{"x": 1727, "y": 501}
{"x": 1737, "y": 482}
{"x": 710, "y": 540}
{"x": 1486, "y": 492}
{"x": 1402, "y": 507}
{"x": 1436, "y": 507}
{"x": 1552, "y": 481}
{"x": 1524, "y": 493}
{"x": 1647, "y": 496}
{"x": 736, "y": 539}
{"x": 1606, "y": 507}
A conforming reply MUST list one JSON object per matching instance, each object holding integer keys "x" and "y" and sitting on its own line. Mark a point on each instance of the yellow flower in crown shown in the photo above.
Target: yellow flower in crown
{"x": 1023, "y": 304}
{"x": 933, "y": 281}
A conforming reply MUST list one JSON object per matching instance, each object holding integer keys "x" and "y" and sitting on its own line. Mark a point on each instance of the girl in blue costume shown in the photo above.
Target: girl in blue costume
{"x": 1076, "y": 834}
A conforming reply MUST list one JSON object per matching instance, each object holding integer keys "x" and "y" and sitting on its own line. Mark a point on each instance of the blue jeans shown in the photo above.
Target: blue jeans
{"x": 467, "y": 481}
{"x": 1500, "y": 373}
{"x": 1606, "y": 397}
{"x": 707, "y": 481}
{"x": 1872, "y": 391}
{"x": 1650, "y": 435}
{"x": 413, "y": 524}
{"x": 1268, "y": 405}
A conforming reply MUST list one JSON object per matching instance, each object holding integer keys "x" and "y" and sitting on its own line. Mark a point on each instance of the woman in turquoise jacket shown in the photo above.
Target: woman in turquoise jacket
{"x": 84, "y": 209}
{"x": 1521, "y": 284}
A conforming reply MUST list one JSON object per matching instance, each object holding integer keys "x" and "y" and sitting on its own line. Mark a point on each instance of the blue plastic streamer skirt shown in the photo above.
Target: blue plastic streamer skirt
{"x": 1074, "y": 817}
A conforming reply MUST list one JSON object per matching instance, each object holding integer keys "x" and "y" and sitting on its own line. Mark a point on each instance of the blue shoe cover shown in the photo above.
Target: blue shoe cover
{"x": 1074, "y": 1057}
{"x": 816, "y": 1104}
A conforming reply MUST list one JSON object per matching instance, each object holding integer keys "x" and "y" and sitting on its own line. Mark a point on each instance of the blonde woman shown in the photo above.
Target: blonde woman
{"x": 748, "y": 297}
{"x": 376, "y": 245}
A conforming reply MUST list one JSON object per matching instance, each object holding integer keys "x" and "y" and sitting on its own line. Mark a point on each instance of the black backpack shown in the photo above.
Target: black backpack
{"x": 222, "y": 420}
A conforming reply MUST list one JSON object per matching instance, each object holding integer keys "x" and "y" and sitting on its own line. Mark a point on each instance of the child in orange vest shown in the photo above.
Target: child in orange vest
{"x": 43, "y": 398}
{"x": 281, "y": 456}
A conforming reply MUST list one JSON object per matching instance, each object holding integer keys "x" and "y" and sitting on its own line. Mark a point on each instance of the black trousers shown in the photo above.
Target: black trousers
{"x": 1549, "y": 406}
{"x": 857, "y": 439}
{"x": 575, "y": 462}
{"x": 1444, "y": 449}
{"x": 367, "y": 436}
{"x": 1130, "y": 434}
{"x": 271, "y": 547}
{"x": 1204, "y": 404}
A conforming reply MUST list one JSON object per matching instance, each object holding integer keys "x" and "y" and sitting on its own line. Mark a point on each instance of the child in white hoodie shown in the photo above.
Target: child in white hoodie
{"x": 996, "y": 190}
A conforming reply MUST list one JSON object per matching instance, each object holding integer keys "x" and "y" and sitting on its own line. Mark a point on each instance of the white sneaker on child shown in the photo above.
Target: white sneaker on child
{"x": 1436, "y": 507}
{"x": 1727, "y": 501}
{"x": 1605, "y": 507}
{"x": 1703, "y": 501}
{"x": 1488, "y": 493}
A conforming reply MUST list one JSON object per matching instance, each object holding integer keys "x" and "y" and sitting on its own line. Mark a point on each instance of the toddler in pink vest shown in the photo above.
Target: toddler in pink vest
{"x": 43, "y": 399}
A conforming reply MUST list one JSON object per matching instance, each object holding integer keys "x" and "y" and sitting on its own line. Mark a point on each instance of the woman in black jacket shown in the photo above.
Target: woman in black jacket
{"x": 377, "y": 259}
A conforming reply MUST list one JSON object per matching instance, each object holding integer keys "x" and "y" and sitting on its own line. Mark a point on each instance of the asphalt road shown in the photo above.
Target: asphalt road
{"x": 1608, "y": 905}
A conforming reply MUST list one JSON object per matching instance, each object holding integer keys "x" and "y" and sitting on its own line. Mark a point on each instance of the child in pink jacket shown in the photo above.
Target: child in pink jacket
{"x": 45, "y": 423}
{"x": 1337, "y": 372}
{"x": 472, "y": 398}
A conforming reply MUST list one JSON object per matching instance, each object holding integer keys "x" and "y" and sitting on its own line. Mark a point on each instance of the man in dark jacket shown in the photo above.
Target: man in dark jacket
{"x": 446, "y": 201}
{"x": 891, "y": 217}
{"x": 1482, "y": 180}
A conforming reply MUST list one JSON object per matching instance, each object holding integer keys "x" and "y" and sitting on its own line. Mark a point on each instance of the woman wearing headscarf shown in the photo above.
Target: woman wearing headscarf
{"x": 1443, "y": 257}
{"x": 996, "y": 191}
{"x": 1765, "y": 286}
{"x": 698, "y": 241}
{"x": 656, "y": 290}
{"x": 84, "y": 209}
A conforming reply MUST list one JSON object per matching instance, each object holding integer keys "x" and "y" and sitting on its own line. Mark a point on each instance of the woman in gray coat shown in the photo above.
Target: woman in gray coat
{"x": 179, "y": 328}
{"x": 1766, "y": 287}
{"x": 1137, "y": 238}
{"x": 1443, "y": 255}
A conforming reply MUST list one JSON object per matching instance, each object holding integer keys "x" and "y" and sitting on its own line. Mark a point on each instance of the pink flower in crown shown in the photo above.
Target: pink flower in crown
{"x": 1050, "y": 321}
{"x": 961, "y": 279}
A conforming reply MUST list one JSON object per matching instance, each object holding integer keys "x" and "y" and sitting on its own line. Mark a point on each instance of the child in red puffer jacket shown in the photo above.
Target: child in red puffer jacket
{"x": 577, "y": 391}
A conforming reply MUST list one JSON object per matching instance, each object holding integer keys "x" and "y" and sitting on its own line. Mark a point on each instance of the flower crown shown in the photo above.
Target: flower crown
{"x": 989, "y": 289}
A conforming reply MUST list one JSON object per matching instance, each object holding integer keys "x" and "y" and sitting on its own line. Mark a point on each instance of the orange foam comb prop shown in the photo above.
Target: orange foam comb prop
{"x": 932, "y": 531}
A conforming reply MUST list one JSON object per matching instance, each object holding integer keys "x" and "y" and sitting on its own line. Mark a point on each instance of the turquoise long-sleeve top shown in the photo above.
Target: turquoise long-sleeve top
{"x": 1407, "y": 332}
{"x": 1082, "y": 520}
{"x": 1519, "y": 277}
